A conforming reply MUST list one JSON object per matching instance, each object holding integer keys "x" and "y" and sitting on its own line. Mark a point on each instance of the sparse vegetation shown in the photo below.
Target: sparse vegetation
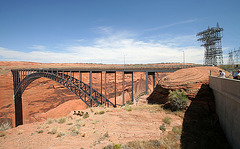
{"x": 62, "y": 120}
{"x": 162, "y": 127}
{"x": 39, "y": 126}
{"x": 75, "y": 130}
{"x": 178, "y": 100}
{"x": 50, "y": 121}
{"x": 53, "y": 130}
{"x": 167, "y": 120}
{"x": 150, "y": 107}
{"x": 40, "y": 131}
{"x": 127, "y": 107}
{"x": 177, "y": 130}
{"x": 86, "y": 115}
{"x": 2, "y": 133}
{"x": 20, "y": 132}
{"x": 70, "y": 123}
{"x": 106, "y": 135}
{"x": 5, "y": 126}
{"x": 117, "y": 146}
{"x": 60, "y": 134}
{"x": 100, "y": 112}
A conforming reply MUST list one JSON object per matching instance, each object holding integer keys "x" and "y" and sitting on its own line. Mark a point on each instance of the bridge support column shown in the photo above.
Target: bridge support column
{"x": 18, "y": 109}
{"x": 101, "y": 87}
{"x": 132, "y": 86}
{"x": 115, "y": 89}
{"x": 123, "y": 88}
{"x": 153, "y": 80}
{"x": 90, "y": 77}
{"x": 17, "y": 98}
{"x": 105, "y": 87}
{"x": 146, "y": 82}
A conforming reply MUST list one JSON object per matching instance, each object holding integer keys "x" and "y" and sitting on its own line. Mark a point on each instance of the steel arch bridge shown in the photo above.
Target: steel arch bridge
{"x": 23, "y": 78}
{"x": 68, "y": 78}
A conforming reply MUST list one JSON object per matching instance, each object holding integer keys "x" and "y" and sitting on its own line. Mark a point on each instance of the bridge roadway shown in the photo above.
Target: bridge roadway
{"x": 72, "y": 79}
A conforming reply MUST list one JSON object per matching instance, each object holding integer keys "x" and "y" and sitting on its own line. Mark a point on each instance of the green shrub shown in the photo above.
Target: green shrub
{"x": 167, "y": 120}
{"x": 40, "y": 131}
{"x": 5, "y": 126}
{"x": 62, "y": 120}
{"x": 102, "y": 112}
{"x": 178, "y": 100}
{"x": 162, "y": 127}
{"x": 117, "y": 146}
{"x": 86, "y": 115}
{"x": 127, "y": 107}
{"x": 177, "y": 130}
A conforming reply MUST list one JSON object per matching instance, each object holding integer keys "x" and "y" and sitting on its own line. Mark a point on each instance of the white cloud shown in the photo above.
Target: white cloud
{"x": 37, "y": 47}
{"x": 111, "y": 49}
{"x": 170, "y": 25}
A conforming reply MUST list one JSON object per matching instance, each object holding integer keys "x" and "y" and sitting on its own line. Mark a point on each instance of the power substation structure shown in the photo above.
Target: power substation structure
{"x": 213, "y": 47}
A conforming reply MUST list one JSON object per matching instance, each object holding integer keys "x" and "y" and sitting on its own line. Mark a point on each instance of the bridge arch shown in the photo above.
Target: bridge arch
{"x": 79, "y": 88}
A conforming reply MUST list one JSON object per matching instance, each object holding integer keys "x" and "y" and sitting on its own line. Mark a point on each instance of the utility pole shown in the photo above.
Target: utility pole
{"x": 183, "y": 57}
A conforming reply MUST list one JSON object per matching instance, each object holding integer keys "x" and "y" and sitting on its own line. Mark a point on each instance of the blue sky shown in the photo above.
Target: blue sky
{"x": 103, "y": 31}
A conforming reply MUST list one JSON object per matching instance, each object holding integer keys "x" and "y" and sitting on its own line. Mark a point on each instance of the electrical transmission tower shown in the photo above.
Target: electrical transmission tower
{"x": 230, "y": 58}
{"x": 236, "y": 56}
{"x": 213, "y": 47}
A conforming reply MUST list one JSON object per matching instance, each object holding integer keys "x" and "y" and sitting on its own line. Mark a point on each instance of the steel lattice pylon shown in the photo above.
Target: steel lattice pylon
{"x": 213, "y": 47}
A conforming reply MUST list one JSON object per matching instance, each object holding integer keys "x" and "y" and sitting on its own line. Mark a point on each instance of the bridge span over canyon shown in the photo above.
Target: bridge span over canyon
{"x": 72, "y": 79}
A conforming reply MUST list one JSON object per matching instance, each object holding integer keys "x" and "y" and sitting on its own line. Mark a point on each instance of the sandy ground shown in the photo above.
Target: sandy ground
{"x": 116, "y": 125}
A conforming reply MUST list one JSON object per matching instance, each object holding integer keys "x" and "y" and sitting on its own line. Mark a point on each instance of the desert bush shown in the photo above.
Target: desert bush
{"x": 177, "y": 130}
{"x": 62, "y": 120}
{"x": 5, "y": 126}
{"x": 75, "y": 130}
{"x": 60, "y": 134}
{"x": 127, "y": 107}
{"x": 20, "y": 132}
{"x": 40, "y": 131}
{"x": 100, "y": 112}
{"x": 39, "y": 126}
{"x": 53, "y": 130}
{"x": 162, "y": 127}
{"x": 178, "y": 100}
{"x": 117, "y": 146}
{"x": 2, "y": 133}
{"x": 86, "y": 115}
{"x": 50, "y": 121}
{"x": 167, "y": 120}
{"x": 70, "y": 123}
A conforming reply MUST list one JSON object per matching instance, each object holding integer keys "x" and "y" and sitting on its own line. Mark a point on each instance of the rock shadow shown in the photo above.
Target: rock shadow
{"x": 201, "y": 128}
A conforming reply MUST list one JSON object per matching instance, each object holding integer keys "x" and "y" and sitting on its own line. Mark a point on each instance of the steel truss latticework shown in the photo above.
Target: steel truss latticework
{"x": 213, "y": 47}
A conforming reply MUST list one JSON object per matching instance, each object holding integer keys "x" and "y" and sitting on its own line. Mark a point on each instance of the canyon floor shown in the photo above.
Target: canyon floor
{"x": 196, "y": 127}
